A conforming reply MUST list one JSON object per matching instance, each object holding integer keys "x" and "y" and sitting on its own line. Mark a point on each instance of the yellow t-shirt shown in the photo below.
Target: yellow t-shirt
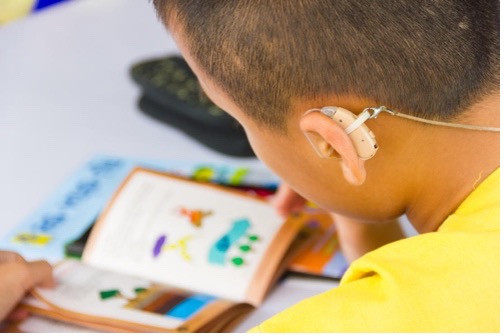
{"x": 445, "y": 281}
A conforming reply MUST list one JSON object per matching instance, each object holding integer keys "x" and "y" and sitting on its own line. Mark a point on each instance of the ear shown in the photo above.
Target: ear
{"x": 330, "y": 141}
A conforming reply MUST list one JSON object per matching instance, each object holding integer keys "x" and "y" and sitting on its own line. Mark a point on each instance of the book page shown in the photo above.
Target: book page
{"x": 86, "y": 294}
{"x": 39, "y": 324}
{"x": 188, "y": 235}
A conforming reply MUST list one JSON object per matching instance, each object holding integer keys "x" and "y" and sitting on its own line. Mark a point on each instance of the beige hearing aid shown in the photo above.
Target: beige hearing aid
{"x": 362, "y": 137}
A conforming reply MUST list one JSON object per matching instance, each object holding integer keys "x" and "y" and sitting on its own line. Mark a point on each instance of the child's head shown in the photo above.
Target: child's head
{"x": 426, "y": 58}
{"x": 267, "y": 62}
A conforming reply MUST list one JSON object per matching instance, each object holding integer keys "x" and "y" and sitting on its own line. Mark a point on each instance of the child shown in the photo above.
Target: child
{"x": 423, "y": 79}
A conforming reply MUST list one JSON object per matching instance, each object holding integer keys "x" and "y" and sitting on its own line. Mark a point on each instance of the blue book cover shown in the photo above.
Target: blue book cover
{"x": 76, "y": 204}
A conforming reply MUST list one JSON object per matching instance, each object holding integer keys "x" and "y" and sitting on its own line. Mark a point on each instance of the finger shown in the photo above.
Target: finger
{"x": 40, "y": 274}
{"x": 9, "y": 256}
{"x": 18, "y": 314}
{"x": 287, "y": 201}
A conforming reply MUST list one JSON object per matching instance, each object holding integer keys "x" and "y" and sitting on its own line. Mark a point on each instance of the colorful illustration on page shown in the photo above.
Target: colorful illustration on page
{"x": 238, "y": 236}
{"x": 162, "y": 301}
{"x": 322, "y": 255}
{"x": 195, "y": 216}
{"x": 179, "y": 245}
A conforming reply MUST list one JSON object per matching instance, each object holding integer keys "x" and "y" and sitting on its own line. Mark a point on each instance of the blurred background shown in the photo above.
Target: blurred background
{"x": 11, "y": 10}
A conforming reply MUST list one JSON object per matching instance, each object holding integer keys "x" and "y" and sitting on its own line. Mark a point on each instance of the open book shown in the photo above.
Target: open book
{"x": 171, "y": 254}
{"x": 321, "y": 254}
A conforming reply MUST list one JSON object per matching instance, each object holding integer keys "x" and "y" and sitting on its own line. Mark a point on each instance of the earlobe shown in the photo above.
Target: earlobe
{"x": 355, "y": 175}
{"x": 329, "y": 140}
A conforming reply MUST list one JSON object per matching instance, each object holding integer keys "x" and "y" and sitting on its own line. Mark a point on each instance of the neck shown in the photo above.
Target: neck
{"x": 453, "y": 163}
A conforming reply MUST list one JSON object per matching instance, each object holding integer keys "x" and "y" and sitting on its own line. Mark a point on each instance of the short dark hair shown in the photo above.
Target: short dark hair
{"x": 427, "y": 58}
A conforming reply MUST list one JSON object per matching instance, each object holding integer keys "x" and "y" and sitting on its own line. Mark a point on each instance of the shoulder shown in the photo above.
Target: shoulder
{"x": 433, "y": 282}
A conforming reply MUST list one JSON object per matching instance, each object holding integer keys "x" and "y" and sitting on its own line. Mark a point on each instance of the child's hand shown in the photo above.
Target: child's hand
{"x": 17, "y": 276}
{"x": 287, "y": 201}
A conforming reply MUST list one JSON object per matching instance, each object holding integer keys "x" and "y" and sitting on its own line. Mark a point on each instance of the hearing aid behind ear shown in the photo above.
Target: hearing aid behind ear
{"x": 362, "y": 137}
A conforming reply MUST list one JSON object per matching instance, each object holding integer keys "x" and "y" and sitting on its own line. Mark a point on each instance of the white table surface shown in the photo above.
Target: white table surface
{"x": 65, "y": 95}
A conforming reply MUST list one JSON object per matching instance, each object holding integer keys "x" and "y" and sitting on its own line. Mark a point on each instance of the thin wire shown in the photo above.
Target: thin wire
{"x": 440, "y": 123}
{"x": 375, "y": 111}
